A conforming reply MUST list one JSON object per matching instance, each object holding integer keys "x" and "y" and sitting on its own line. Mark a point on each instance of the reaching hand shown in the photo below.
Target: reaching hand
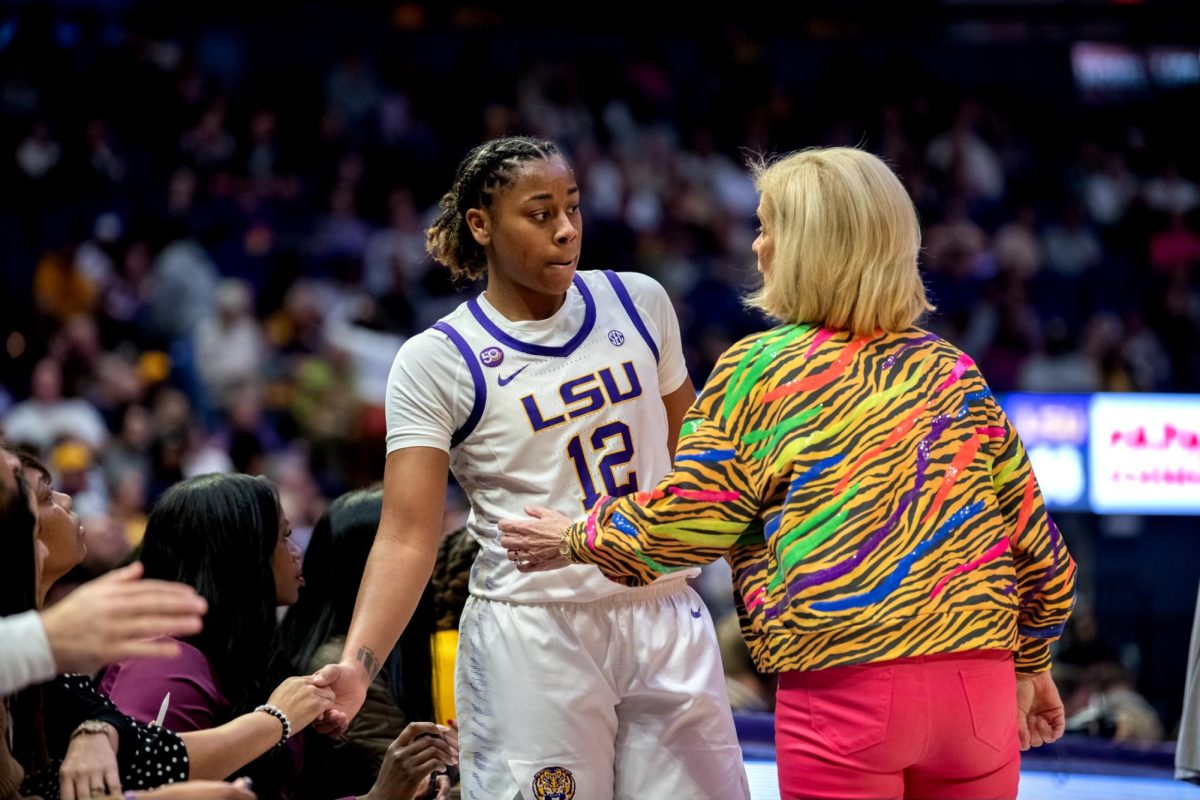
{"x": 302, "y": 700}
{"x": 348, "y": 680}
{"x": 1040, "y": 715}
{"x": 420, "y": 749}
{"x": 90, "y": 766}
{"x": 533, "y": 544}
{"x": 117, "y": 616}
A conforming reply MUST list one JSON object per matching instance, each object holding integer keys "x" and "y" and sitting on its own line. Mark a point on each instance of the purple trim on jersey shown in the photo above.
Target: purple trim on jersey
{"x": 589, "y": 319}
{"x": 476, "y": 378}
{"x": 631, "y": 310}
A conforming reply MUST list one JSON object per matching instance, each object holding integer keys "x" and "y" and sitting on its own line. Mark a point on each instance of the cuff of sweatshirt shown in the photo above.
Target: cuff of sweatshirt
{"x": 1033, "y": 655}
{"x": 577, "y": 541}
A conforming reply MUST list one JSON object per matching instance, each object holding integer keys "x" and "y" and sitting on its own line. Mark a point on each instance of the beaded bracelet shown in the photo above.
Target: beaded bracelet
{"x": 283, "y": 720}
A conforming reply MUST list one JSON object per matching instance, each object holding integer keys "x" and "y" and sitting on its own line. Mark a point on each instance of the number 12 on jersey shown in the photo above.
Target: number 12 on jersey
{"x": 617, "y": 458}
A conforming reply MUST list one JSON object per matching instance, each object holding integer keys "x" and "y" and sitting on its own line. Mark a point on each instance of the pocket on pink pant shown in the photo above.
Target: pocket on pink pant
{"x": 991, "y": 693}
{"x": 855, "y": 713}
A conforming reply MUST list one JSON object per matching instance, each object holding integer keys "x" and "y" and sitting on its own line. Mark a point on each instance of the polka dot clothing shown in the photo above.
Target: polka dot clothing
{"x": 148, "y": 756}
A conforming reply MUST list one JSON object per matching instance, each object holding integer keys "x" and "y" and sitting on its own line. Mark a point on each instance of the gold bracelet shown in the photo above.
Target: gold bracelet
{"x": 564, "y": 546}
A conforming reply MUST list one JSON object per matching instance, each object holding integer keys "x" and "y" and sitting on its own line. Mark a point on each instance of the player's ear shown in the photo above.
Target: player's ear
{"x": 480, "y": 224}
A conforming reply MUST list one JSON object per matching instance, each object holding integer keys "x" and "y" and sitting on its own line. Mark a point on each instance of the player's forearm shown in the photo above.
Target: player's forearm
{"x": 392, "y": 583}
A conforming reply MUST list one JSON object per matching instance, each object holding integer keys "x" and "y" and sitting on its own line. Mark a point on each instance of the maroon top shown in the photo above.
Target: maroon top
{"x": 138, "y": 685}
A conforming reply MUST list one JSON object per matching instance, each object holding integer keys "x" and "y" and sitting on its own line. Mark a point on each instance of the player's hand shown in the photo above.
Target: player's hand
{"x": 532, "y": 544}
{"x": 1040, "y": 715}
{"x": 348, "y": 680}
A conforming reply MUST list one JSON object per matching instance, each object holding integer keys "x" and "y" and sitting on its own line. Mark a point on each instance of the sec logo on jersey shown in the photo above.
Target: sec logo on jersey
{"x": 554, "y": 783}
{"x": 491, "y": 356}
{"x": 616, "y": 338}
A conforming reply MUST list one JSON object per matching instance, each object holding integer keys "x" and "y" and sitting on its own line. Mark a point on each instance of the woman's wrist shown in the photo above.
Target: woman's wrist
{"x": 94, "y": 727}
{"x": 564, "y": 546}
{"x": 286, "y": 723}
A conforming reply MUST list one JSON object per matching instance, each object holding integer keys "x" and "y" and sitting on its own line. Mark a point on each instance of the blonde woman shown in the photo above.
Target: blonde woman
{"x": 892, "y": 555}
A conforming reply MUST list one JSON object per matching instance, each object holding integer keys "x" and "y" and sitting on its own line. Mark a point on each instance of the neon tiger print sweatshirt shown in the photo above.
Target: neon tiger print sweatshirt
{"x": 869, "y": 493}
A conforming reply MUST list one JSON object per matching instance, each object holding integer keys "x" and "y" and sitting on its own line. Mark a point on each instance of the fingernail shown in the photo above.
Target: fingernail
{"x": 442, "y": 728}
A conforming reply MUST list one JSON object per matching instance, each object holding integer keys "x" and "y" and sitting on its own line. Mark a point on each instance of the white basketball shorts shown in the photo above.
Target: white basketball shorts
{"x": 618, "y": 699}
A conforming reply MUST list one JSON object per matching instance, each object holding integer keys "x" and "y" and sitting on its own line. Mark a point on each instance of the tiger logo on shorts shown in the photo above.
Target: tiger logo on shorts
{"x": 554, "y": 783}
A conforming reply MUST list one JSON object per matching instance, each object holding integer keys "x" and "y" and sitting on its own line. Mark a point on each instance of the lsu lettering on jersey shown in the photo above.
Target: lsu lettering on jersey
{"x": 553, "y": 412}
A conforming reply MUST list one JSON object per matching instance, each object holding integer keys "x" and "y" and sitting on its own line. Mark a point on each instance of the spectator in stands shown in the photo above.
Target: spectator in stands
{"x": 49, "y": 415}
{"x": 1169, "y": 192}
{"x": 229, "y": 345}
{"x": 314, "y": 632}
{"x": 226, "y": 536}
{"x": 1108, "y": 705}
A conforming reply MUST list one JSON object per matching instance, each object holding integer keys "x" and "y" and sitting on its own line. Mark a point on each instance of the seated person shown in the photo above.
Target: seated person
{"x": 226, "y": 536}
{"x": 314, "y": 632}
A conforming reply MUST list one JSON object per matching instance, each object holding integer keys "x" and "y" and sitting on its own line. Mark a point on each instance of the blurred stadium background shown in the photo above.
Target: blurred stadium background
{"x": 211, "y": 246}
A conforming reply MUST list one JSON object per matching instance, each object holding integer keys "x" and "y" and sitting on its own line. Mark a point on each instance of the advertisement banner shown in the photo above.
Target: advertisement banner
{"x": 1145, "y": 454}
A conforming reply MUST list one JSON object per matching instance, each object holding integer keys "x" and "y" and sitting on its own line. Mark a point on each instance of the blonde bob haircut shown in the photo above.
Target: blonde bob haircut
{"x": 845, "y": 239}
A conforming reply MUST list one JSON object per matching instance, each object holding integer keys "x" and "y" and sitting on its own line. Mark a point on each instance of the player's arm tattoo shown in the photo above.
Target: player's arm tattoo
{"x": 367, "y": 656}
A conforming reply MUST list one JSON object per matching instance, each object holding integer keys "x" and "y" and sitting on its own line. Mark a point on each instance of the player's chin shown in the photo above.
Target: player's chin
{"x": 558, "y": 277}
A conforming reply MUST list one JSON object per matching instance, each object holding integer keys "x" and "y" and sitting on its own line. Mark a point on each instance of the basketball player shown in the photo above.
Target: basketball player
{"x": 551, "y": 388}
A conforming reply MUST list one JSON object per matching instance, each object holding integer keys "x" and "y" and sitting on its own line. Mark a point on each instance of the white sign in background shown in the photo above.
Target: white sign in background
{"x": 1145, "y": 454}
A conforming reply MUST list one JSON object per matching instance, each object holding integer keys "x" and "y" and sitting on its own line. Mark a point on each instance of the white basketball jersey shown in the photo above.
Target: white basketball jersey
{"x": 565, "y": 411}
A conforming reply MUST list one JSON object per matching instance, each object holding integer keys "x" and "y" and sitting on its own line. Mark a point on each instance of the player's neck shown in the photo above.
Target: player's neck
{"x": 519, "y": 304}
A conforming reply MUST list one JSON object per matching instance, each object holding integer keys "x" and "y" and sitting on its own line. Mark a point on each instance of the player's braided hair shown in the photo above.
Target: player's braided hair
{"x": 485, "y": 169}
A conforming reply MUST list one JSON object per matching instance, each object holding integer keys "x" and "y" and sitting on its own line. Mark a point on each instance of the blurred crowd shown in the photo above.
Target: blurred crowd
{"x": 210, "y": 262}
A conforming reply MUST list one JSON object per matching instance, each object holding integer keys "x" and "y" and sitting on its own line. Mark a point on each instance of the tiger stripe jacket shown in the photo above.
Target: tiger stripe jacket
{"x": 869, "y": 493}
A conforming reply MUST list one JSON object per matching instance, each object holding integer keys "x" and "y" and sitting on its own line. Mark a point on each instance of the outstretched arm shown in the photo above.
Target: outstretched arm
{"x": 216, "y": 753}
{"x": 401, "y": 560}
{"x": 692, "y": 517}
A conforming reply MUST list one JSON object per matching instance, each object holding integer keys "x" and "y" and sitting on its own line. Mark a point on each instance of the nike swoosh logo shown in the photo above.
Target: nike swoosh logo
{"x": 696, "y": 613}
{"x": 503, "y": 381}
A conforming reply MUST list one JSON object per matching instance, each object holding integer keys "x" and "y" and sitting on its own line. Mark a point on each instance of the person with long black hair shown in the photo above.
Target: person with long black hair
{"x": 314, "y": 632}
{"x": 226, "y": 536}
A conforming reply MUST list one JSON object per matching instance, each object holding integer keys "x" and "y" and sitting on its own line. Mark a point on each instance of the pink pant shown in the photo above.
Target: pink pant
{"x": 925, "y": 728}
